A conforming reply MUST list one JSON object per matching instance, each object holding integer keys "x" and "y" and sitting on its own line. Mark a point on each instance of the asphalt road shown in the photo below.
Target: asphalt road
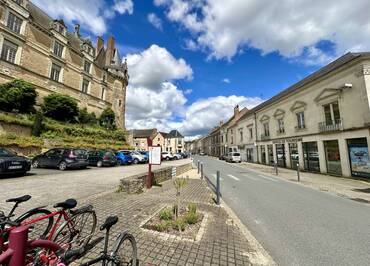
{"x": 48, "y": 186}
{"x": 295, "y": 224}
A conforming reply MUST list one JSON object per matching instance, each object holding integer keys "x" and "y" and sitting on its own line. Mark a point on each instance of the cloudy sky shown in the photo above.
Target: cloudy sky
{"x": 191, "y": 62}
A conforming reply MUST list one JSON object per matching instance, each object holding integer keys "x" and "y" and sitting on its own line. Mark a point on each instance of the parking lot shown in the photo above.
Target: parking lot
{"x": 48, "y": 186}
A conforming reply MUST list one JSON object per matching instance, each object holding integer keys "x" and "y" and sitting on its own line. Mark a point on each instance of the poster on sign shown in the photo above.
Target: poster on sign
{"x": 155, "y": 155}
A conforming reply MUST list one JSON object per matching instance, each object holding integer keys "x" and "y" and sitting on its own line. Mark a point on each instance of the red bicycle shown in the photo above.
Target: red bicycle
{"x": 78, "y": 227}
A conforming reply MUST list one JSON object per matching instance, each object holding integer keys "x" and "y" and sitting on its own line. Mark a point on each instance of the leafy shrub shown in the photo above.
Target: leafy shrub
{"x": 165, "y": 214}
{"x": 107, "y": 119}
{"x": 37, "y": 125}
{"x": 161, "y": 227}
{"x": 191, "y": 218}
{"x": 179, "y": 224}
{"x": 17, "y": 95}
{"x": 84, "y": 117}
{"x": 192, "y": 208}
{"x": 60, "y": 107}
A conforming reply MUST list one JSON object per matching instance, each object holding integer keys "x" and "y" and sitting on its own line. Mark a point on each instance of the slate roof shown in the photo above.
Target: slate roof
{"x": 144, "y": 133}
{"x": 175, "y": 134}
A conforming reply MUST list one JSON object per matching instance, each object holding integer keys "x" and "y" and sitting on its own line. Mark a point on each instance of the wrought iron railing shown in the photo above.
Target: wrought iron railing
{"x": 335, "y": 125}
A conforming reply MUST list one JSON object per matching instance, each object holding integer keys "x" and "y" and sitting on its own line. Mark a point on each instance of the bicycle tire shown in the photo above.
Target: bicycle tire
{"x": 36, "y": 212}
{"x": 117, "y": 257}
{"x": 61, "y": 236}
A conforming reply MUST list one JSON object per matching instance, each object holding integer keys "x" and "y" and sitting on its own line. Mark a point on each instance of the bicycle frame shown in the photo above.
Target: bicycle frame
{"x": 15, "y": 255}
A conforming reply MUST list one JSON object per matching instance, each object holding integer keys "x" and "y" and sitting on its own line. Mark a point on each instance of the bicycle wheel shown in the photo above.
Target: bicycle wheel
{"x": 78, "y": 234}
{"x": 39, "y": 229}
{"x": 125, "y": 250}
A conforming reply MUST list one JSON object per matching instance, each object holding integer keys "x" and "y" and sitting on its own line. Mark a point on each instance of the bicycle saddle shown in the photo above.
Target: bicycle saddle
{"x": 19, "y": 199}
{"x": 109, "y": 222}
{"x": 68, "y": 204}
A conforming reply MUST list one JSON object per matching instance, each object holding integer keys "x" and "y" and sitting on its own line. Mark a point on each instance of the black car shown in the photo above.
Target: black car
{"x": 11, "y": 163}
{"x": 101, "y": 158}
{"x": 61, "y": 158}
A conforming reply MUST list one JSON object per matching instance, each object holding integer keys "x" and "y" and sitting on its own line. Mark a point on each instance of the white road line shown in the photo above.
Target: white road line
{"x": 250, "y": 177}
{"x": 234, "y": 177}
{"x": 268, "y": 178}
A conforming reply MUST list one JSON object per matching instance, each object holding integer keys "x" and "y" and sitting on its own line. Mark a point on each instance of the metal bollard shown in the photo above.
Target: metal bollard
{"x": 218, "y": 188}
{"x": 276, "y": 168}
{"x": 198, "y": 166}
{"x": 299, "y": 178}
{"x": 201, "y": 170}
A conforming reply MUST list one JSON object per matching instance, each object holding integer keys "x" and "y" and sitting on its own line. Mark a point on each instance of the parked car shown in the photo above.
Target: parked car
{"x": 123, "y": 158}
{"x": 167, "y": 156}
{"x": 184, "y": 155}
{"x": 222, "y": 157}
{"x": 137, "y": 157}
{"x": 61, "y": 158}
{"x": 101, "y": 158}
{"x": 145, "y": 154}
{"x": 11, "y": 163}
{"x": 233, "y": 157}
{"x": 177, "y": 156}
{"x": 202, "y": 154}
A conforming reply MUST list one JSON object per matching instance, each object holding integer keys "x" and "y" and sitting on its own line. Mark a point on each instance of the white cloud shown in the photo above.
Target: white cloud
{"x": 226, "y": 80}
{"x": 287, "y": 27}
{"x": 154, "y": 66}
{"x": 92, "y": 14}
{"x": 204, "y": 114}
{"x": 155, "y": 21}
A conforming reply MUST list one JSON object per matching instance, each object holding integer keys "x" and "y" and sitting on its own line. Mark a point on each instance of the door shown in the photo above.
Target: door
{"x": 280, "y": 154}
{"x": 55, "y": 158}
{"x": 48, "y": 157}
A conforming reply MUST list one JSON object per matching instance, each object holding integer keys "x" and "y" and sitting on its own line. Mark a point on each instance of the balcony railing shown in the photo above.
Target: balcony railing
{"x": 265, "y": 137}
{"x": 280, "y": 131}
{"x": 331, "y": 126}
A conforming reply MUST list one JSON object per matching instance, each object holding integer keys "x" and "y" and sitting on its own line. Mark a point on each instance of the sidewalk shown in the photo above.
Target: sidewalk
{"x": 222, "y": 242}
{"x": 344, "y": 187}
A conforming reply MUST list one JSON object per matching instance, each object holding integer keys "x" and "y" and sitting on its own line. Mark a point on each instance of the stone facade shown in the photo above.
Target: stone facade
{"x": 41, "y": 50}
{"x": 171, "y": 142}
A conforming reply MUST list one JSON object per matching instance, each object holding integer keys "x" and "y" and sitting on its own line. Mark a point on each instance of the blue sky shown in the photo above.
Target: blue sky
{"x": 191, "y": 61}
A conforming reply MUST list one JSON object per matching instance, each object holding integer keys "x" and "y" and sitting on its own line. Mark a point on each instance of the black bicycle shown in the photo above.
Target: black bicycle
{"x": 124, "y": 251}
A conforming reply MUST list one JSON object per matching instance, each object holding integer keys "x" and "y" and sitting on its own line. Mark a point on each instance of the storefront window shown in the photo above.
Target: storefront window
{"x": 263, "y": 155}
{"x": 249, "y": 155}
{"x": 294, "y": 155}
{"x": 280, "y": 153}
{"x": 270, "y": 153}
{"x": 311, "y": 156}
{"x": 333, "y": 157}
{"x": 359, "y": 157}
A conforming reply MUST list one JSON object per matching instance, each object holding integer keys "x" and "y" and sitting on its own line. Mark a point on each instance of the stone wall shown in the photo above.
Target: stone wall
{"x": 136, "y": 184}
{"x": 24, "y": 151}
{"x": 15, "y": 129}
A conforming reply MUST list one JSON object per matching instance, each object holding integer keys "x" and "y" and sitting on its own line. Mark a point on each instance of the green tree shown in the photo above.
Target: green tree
{"x": 17, "y": 95}
{"x": 60, "y": 107}
{"x": 107, "y": 119}
{"x": 84, "y": 117}
{"x": 37, "y": 124}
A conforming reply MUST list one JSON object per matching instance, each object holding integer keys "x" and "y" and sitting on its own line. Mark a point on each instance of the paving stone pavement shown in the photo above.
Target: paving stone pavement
{"x": 221, "y": 244}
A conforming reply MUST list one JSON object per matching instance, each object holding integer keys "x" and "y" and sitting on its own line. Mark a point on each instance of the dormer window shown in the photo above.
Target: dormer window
{"x": 88, "y": 49}
{"x": 19, "y": 2}
{"x": 87, "y": 66}
{"x": 59, "y": 26}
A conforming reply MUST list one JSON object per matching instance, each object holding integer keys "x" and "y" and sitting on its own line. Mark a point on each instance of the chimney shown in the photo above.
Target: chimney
{"x": 221, "y": 122}
{"x": 99, "y": 44}
{"x": 110, "y": 50}
{"x": 236, "y": 111}
{"x": 77, "y": 30}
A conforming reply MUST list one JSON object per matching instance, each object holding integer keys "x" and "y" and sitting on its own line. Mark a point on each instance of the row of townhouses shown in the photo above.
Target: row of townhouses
{"x": 320, "y": 124}
{"x": 172, "y": 142}
{"x": 41, "y": 50}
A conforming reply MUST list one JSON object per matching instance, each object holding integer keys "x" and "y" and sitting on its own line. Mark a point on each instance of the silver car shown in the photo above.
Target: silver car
{"x": 233, "y": 157}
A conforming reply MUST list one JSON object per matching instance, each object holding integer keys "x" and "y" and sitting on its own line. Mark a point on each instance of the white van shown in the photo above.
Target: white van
{"x": 234, "y": 157}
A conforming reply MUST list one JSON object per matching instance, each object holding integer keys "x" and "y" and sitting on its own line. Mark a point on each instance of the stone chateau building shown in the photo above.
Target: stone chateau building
{"x": 320, "y": 124}
{"x": 41, "y": 50}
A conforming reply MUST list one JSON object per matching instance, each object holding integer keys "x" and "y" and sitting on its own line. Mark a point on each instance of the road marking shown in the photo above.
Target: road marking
{"x": 250, "y": 177}
{"x": 234, "y": 177}
{"x": 268, "y": 178}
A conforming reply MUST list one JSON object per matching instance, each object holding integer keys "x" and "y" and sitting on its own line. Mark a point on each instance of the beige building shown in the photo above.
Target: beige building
{"x": 42, "y": 51}
{"x": 172, "y": 142}
{"x": 138, "y": 138}
{"x": 320, "y": 124}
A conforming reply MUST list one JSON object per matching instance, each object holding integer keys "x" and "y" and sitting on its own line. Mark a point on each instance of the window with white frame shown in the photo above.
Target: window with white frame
{"x": 9, "y": 51}
{"x": 300, "y": 120}
{"x": 281, "y": 128}
{"x": 14, "y": 23}
{"x": 241, "y": 134}
{"x": 55, "y": 72}
{"x": 87, "y": 66}
{"x": 332, "y": 114}
{"x": 250, "y": 133}
{"x": 58, "y": 49}
{"x": 266, "y": 129}
{"x": 85, "y": 86}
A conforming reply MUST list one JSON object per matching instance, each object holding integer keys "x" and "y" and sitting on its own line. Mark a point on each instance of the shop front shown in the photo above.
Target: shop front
{"x": 311, "y": 156}
{"x": 280, "y": 154}
{"x": 294, "y": 155}
{"x": 332, "y": 155}
{"x": 263, "y": 154}
{"x": 359, "y": 157}
{"x": 270, "y": 153}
